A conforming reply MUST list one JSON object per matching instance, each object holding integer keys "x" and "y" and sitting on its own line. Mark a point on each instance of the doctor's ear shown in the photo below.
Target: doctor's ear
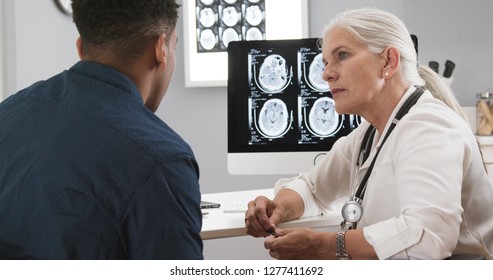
{"x": 391, "y": 57}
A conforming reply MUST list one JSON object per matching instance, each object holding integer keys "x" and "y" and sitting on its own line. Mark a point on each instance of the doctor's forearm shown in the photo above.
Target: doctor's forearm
{"x": 292, "y": 203}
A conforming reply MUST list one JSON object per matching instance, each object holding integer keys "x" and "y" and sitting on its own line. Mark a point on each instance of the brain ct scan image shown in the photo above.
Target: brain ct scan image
{"x": 219, "y": 22}
{"x": 229, "y": 35}
{"x": 254, "y": 15}
{"x": 273, "y": 74}
{"x": 207, "y": 17}
{"x": 254, "y": 34}
{"x": 207, "y": 39}
{"x": 323, "y": 118}
{"x": 315, "y": 74}
{"x": 230, "y": 16}
{"x": 273, "y": 118}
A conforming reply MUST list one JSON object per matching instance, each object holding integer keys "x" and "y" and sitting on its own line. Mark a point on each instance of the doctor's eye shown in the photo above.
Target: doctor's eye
{"x": 342, "y": 55}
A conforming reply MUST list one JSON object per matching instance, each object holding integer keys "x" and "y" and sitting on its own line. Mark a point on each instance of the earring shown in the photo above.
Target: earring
{"x": 386, "y": 74}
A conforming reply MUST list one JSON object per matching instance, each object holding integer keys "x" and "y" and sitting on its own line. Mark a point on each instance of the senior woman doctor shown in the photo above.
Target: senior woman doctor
{"x": 427, "y": 194}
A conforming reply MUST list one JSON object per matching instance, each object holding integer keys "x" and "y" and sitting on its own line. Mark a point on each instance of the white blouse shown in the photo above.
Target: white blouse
{"x": 428, "y": 195}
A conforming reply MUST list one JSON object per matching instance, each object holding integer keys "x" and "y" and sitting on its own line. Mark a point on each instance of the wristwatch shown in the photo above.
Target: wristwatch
{"x": 341, "y": 253}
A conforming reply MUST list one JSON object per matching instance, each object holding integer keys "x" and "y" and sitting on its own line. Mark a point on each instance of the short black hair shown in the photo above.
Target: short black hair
{"x": 123, "y": 27}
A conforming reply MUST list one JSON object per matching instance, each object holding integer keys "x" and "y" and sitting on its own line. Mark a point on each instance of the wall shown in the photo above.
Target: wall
{"x": 42, "y": 42}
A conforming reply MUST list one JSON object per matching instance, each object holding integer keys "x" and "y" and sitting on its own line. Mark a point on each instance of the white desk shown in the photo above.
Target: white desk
{"x": 217, "y": 224}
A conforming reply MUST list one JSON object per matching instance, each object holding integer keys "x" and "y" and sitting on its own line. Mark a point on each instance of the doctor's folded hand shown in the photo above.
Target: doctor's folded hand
{"x": 263, "y": 215}
{"x": 296, "y": 243}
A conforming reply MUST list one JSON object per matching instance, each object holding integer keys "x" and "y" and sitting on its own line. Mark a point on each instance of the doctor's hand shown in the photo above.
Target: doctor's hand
{"x": 262, "y": 216}
{"x": 299, "y": 243}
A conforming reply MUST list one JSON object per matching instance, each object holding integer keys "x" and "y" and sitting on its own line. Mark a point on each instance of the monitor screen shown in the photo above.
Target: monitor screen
{"x": 281, "y": 115}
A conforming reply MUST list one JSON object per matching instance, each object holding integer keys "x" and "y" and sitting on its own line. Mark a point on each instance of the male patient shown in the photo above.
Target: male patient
{"x": 87, "y": 170}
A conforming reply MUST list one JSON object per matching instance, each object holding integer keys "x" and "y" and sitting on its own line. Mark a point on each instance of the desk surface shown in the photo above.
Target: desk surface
{"x": 217, "y": 224}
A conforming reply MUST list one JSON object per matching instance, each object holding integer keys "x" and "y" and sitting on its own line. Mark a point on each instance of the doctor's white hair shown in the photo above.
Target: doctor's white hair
{"x": 379, "y": 29}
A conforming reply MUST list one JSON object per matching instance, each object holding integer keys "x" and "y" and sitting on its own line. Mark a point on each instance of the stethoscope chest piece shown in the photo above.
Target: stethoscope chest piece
{"x": 352, "y": 211}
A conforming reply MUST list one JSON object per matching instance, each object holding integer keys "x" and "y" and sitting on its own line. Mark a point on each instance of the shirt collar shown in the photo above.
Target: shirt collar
{"x": 401, "y": 102}
{"x": 109, "y": 75}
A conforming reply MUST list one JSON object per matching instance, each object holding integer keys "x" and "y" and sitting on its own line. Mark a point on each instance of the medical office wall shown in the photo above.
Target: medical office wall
{"x": 39, "y": 41}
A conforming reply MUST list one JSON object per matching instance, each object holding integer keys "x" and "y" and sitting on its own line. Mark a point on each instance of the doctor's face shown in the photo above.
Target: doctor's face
{"x": 352, "y": 71}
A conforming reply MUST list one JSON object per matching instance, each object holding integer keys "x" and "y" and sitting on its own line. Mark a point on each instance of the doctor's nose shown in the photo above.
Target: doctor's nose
{"x": 329, "y": 74}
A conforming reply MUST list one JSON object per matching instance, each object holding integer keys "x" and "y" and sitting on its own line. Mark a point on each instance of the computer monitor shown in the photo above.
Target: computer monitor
{"x": 281, "y": 115}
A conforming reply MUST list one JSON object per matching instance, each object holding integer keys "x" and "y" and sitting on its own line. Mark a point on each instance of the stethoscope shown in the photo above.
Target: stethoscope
{"x": 352, "y": 211}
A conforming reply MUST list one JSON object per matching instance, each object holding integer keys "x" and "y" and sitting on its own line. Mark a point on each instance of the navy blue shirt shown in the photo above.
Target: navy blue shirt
{"x": 88, "y": 172}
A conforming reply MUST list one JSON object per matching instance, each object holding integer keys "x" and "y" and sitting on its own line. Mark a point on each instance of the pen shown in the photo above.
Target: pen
{"x": 272, "y": 232}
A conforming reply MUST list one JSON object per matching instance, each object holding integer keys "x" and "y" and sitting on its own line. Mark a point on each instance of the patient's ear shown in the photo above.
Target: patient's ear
{"x": 80, "y": 49}
{"x": 160, "y": 50}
